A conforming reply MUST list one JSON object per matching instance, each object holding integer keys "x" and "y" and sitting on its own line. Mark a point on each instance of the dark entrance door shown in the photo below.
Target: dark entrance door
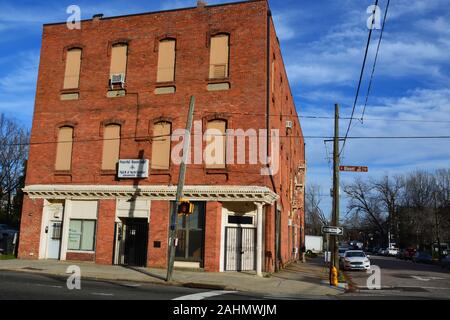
{"x": 133, "y": 246}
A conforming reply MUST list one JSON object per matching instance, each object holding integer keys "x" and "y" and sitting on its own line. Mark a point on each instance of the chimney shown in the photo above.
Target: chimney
{"x": 201, "y": 3}
{"x": 97, "y": 17}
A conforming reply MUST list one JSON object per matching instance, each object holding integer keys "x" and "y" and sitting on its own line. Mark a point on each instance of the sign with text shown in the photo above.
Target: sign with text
{"x": 354, "y": 168}
{"x": 337, "y": 231}
{"x": 133, "y": 168}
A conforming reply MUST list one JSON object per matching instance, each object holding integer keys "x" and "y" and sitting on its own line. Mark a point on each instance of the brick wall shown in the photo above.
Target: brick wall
{"x": 30, "y": 228}
{"x": 105, "y": 231}
{"x": 212, "y": 236}
{"x": 158, "y": 232}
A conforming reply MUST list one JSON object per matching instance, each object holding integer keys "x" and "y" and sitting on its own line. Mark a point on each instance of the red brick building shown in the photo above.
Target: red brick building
{"x": 119, "y": 88}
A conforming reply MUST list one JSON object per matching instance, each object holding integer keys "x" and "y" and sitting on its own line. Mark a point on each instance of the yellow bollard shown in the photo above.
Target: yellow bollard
{"x": 334, "y": 277}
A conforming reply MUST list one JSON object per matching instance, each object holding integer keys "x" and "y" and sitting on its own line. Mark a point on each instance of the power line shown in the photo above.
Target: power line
{"x": 224, "y": 135}
{"x": 360, "y": 77}
{"x": 375, "y": 60}
{"x": 332, "y": 117}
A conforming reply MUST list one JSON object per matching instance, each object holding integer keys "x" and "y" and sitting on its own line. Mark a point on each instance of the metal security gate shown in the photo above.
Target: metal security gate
{"x": 133, "y": 239}
{"x": 240, "y": 253}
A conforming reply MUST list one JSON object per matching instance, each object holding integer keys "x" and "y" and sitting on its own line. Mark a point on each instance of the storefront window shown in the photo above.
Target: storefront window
{"x": 191, "y": 235}
{"x": 81, "y": 235}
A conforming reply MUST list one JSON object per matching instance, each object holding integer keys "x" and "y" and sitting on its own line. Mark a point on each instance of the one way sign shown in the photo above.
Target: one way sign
{"x": 338, "y": 231}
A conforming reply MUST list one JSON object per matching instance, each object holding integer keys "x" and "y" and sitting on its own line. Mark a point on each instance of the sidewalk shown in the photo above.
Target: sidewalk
{"x": 296, "y": 280}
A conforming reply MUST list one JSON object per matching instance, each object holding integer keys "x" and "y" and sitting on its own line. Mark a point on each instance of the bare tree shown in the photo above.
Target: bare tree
{"x": 315, "y": 218}
{"x": 364, "y": 201}
{"x": 390, "y": 192}
{"x": 13, "y": 153}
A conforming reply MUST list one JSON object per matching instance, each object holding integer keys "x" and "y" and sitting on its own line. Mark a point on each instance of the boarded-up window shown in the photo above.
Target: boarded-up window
{"x": 161, "y": 146}
{"x": 215, "y": 144}
{"x": 72, "y": 73}
{"x": 219, "y": 57}
{"x": 119, "y": 59}
{"x": 166, "y": 61}
{"x": 111, "y": 147}
{"x": 64, "y": 149}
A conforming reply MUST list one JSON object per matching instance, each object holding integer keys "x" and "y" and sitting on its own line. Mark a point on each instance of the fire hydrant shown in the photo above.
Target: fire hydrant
{"x": 334, "y": 277}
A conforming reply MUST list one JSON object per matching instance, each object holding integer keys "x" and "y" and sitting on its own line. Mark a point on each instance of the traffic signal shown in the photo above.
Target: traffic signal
{"x": 185, "y": 207}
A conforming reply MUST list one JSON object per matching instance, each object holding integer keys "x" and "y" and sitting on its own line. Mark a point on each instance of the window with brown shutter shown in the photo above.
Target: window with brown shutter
{"x": 64, "y": 149}
{"x": 216, "y": 143}
{"x": 161, "y": 146}
{"x": 73, "y": 65}
{"x": 219, "y": 57}
{"x": 111, "y": 147}
{"x": 166, "y": 61}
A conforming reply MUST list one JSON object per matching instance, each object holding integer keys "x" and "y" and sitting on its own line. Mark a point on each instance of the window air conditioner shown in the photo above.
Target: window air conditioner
{"x": 117, "y": 79}
{"x": 289, "y": 124}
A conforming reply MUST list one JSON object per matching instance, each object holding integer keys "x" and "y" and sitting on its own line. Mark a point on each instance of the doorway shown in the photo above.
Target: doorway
{"x": 132, "y": 242}
{"x": 53, "y": 231}
{"x": 240, "y": 253}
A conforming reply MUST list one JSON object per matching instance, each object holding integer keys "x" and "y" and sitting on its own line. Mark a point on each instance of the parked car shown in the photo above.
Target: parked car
{"x": 342, "y": 251}
{"x": 355, "y": 260}
{"x": 445, "y": 262}
{"x": 422, "y": 257}
{"x": 409, "y": 253}
{"x": 392, "y": 252}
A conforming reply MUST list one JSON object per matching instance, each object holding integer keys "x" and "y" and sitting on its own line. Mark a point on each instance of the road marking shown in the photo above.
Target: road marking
{"x": 101, "y": 294}
{"x": 203, "y": 295}
{"x": 425, "y": 278}
{"x": 48, "y": 285}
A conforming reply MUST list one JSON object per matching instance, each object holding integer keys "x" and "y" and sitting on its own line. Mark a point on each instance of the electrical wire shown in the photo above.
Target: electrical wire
{"x": 375, "y": 60}
{"x": 360, "y": 77}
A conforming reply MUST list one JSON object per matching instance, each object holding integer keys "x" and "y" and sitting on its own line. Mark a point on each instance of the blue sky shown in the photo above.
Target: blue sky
{"x": 322, "y": 43}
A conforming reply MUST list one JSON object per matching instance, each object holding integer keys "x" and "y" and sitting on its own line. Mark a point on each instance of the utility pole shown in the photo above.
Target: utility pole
{"x": 335, "y": 243}
{"x": 436, "y": 220}
{"x": 173, "y": 219}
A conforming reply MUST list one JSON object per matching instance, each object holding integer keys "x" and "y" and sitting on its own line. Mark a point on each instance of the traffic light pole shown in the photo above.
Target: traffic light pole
{"x": 173, "y": 219}
{"x": 335, "y": 243}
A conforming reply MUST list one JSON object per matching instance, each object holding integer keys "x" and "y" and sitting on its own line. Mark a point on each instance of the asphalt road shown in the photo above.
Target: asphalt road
{"x": 29, "y": 286}
{"x": 402, "y": 279}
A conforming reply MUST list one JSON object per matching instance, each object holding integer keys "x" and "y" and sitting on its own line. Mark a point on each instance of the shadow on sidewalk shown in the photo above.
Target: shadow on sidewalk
{"x": 154, "y": 275}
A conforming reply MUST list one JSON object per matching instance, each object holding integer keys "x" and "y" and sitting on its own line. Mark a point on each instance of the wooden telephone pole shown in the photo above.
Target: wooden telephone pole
{"x": 335, "y": 218}
{"x": 174, "y": 215}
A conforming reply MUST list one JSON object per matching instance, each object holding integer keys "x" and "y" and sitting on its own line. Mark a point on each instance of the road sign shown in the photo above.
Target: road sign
{"x": 354, "y": 168}
{"x": 337, "y": 231}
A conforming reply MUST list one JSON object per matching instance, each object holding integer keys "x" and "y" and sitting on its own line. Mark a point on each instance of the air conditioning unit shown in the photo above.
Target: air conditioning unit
{"x": 289, "y": 124}
{"x": 117, "y": 79}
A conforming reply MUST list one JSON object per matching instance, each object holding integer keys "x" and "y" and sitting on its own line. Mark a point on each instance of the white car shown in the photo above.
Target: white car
{"x": 355, "y": 260}
{"x": 392, "y": 252}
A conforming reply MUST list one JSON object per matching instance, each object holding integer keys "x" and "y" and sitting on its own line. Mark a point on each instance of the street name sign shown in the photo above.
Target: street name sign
{"x": 133, "y": 168}
{"x": 353, "y": 168}
{"x": 337, "y": 231}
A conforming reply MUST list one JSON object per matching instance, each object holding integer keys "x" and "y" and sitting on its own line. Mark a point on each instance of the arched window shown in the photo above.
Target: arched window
{"x": 215, "y": 137}
{"x": 64, "y": 149}
{"x": 166, "y": 61}
{"x": 73, "y": 65}
{"x": 161, "y": 146}
{"x": 111, "y": 147}
{"x": 219, "y": 56}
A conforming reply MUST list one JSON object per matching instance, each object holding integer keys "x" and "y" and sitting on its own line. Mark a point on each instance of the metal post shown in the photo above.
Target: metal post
{"x": 259, "y": 238}
{"x": 335, "y": 242}
{"x": 173, "y": 218}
